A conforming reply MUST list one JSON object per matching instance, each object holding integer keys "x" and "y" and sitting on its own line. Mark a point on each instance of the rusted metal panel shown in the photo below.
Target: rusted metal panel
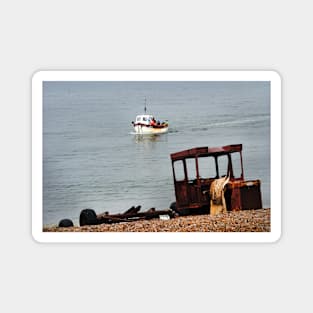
{"x": 245, "y": 195}
{"x": 181, "y": 194}
{"x": 206, "y": 151}
{"x": 250, "y": 193}
{"x": 192, "y": 193}
{"x": 189, "y": 153}
{"x": 235, "y": 195}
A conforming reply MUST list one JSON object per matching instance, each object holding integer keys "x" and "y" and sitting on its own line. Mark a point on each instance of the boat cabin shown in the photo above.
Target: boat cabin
{"x": 195, "y": 169}
{"x": 144, "y": 119}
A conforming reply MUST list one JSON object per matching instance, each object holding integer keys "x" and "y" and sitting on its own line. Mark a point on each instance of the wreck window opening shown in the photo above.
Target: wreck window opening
{"x": 236, "y": 162}
{"x": 222, "y": 165}
{"x": 179, "y": 172}
{"x": 207, "y": 168}
{"x": 191, "y": 169}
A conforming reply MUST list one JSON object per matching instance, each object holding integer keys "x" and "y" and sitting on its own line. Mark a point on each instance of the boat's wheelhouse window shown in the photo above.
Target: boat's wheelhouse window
{"x": 222, "y": 162}
{"x": 236, "y": 163}
{"x": 207, "y": 168}
{"x": 138, "y": 119}
{"x": 191, "y": 169}
{"x": 179, "y": 170}
{"x": 144, "y": 119}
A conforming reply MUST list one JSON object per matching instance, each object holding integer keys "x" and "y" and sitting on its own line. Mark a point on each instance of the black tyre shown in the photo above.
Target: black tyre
{"x": 66, "y": 223}
{"x": 88, "y": 217}
{"x": 173, "y": 206}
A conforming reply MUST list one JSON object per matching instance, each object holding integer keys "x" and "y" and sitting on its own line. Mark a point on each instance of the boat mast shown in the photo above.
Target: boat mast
{"x": 145, "y": 105}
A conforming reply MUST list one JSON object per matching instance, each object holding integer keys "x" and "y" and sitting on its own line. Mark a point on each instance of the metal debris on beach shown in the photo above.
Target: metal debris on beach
{"x": 234, "y": 221}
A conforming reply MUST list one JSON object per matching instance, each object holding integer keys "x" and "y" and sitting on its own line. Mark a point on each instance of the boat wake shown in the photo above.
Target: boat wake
{"x": 218, "y": 124}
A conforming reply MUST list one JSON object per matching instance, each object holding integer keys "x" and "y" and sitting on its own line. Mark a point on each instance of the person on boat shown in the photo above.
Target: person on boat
{"x": 153, "y": 122}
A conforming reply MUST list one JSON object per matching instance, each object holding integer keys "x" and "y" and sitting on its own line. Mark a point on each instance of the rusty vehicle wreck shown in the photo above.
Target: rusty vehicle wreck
{"x": 198, "y": 171}
{"x": 206, "y": 180}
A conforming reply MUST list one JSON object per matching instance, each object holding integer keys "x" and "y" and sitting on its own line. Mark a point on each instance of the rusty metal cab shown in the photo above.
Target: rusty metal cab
{"x": 195, "y": 169}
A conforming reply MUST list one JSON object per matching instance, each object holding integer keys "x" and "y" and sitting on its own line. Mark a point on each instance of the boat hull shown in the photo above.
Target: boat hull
{"x": 142, "y": 129}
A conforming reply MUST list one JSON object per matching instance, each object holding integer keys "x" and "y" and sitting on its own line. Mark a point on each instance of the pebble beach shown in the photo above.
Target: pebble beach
{"x": 236, "y": 221}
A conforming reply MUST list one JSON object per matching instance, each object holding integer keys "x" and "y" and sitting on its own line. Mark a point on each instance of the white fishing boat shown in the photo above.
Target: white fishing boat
{"x": 147, "y": 124}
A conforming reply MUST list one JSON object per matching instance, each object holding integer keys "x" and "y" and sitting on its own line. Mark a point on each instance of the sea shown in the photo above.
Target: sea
{"x": 92, "y": 158}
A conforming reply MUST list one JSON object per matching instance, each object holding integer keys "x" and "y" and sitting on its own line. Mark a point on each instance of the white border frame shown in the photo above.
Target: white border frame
{"x": 155, "y": 75}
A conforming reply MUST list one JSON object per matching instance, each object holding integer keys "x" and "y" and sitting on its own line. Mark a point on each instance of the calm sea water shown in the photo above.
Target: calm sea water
{"x": 91, "y": 158}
